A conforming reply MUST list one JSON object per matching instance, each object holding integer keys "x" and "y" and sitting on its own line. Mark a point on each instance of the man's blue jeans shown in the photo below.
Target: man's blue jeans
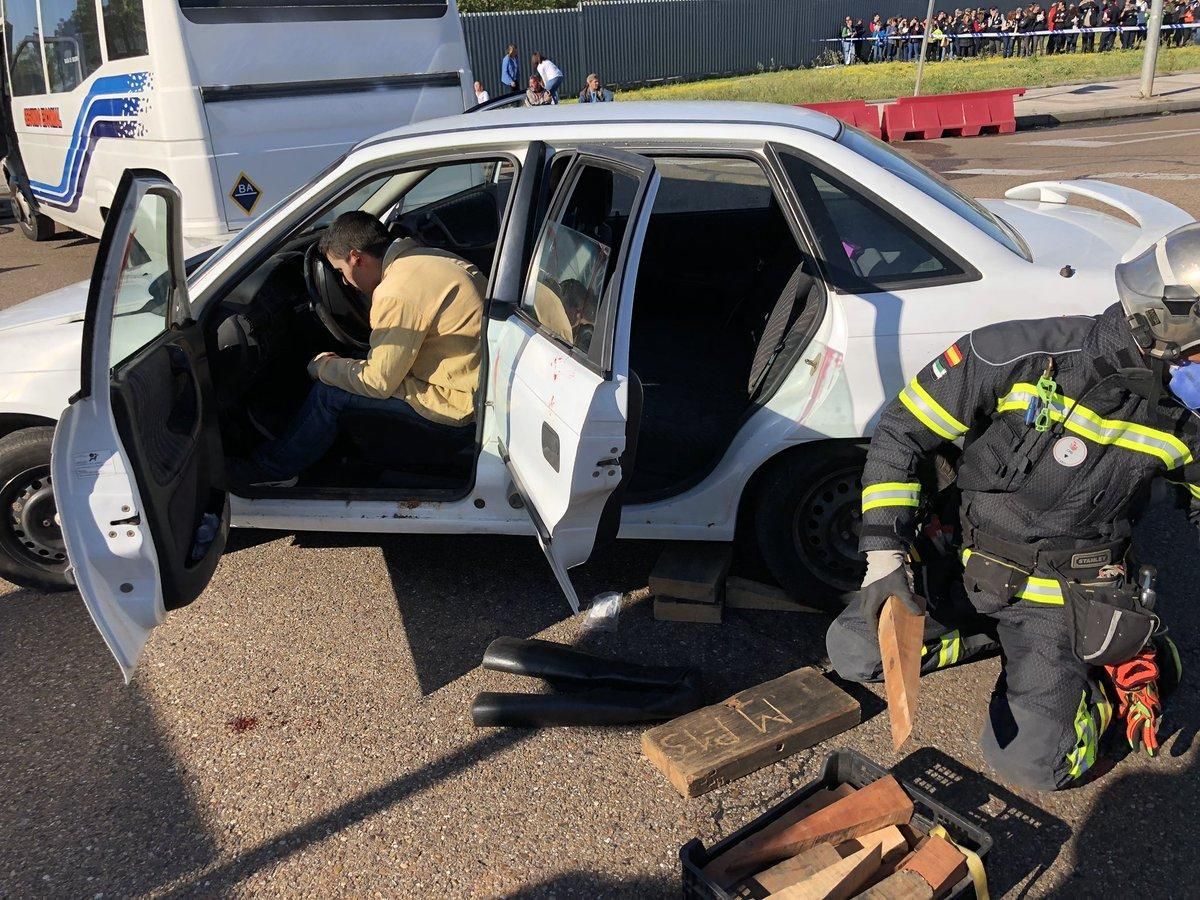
{"x": 315, "y": 428}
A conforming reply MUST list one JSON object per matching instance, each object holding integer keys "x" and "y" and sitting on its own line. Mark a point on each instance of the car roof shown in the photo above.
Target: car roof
{"x": 633, "y": 112}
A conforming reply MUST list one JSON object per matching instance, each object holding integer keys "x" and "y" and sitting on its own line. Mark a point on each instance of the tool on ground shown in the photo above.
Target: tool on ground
{"x": 752, "y": 729}
{"x": 901, "y": 634}
{"x": 590, "y": 689}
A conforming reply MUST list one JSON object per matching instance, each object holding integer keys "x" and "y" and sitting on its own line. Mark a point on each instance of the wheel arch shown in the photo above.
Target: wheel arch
{"x": 13, "y": 422}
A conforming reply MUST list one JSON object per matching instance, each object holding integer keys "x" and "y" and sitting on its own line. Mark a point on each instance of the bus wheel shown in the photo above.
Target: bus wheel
{"x": 32, "y": 553}
{"x": 34, "y": 225}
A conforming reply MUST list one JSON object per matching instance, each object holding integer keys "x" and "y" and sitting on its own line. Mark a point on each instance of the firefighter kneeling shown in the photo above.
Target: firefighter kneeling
{"x": 1066, "y": 422}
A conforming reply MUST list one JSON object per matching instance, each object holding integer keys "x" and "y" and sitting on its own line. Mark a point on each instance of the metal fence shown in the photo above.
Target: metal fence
{"x": 637, "y": 42}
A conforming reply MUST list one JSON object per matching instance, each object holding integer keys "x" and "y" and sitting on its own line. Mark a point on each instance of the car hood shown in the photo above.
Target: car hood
{"x": 56, "y": 308}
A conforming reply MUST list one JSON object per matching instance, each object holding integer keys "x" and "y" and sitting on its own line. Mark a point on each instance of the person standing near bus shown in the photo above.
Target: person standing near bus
{"x": 551, "y": 75}
{"x": 510, "y": 71}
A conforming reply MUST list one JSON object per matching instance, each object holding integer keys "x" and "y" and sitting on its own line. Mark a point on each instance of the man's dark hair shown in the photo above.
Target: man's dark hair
{"x": 356, "y": 230}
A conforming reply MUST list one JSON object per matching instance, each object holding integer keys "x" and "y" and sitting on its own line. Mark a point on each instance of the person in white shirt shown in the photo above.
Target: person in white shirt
{"x": 481, "y": 96}
{"x": 552, "y": 75}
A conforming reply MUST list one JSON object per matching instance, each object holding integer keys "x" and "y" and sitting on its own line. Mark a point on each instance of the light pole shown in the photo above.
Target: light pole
{"x": 1150, "y": 52}
{"x": 925, "y": 44}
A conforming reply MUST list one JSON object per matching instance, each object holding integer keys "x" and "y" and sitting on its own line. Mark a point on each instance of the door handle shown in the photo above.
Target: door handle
{"x": 551, "y": 446}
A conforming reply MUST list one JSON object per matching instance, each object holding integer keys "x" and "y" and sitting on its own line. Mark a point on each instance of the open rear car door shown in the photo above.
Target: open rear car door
{"x": 136, "y": 463}
{"x": 561, "y": 384}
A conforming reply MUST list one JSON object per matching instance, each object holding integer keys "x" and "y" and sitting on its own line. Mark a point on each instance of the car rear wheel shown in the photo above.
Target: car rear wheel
{"x": 32, "y": 552}
{"x": 807, "y": 517}
{"x": 34, "y": 225}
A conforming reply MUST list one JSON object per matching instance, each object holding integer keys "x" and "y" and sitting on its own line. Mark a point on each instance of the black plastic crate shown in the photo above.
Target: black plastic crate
{"x": 841, "y": 767}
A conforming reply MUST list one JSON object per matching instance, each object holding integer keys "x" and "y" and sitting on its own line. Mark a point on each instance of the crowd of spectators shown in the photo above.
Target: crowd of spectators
{"x": 545, "y": 81}
{"x": 1058, "y": 27}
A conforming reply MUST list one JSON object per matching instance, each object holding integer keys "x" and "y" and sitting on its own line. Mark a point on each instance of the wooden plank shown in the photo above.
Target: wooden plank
{"x": 901, "y": 633}
{"x": 940, "y": 863}
{"x": 903, "y": 885}
{"x": 742, "y": 593}
{"x": 892, "y": 845}
{"x": 752, "y": 729}
{"x": 840, "y": 881}
{"x": 868, "y": 809}
{"x": 806, "y": 808}
{"x": 668, "y": 609}
{"x": 692, "y": 570}
{"x": 797, "y": 868}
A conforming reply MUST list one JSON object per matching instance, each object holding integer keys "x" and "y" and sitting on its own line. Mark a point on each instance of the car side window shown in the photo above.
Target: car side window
{"x": 577, "y": 254}
{"x": 864, "y": 247}
{"x": 144, "y": 285}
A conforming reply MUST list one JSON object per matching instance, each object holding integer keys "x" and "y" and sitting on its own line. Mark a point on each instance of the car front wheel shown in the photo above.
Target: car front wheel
{"x": 32, "y": 552}
{"x": 807, "y": 518}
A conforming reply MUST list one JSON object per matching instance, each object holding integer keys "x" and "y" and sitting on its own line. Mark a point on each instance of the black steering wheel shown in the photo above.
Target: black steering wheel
{"x": 339, "y": 307}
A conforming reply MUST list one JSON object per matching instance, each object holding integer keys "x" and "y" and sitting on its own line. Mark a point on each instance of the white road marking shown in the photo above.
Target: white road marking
{"x": 1115, "y": 142}
{"x": 1153, "y": 176}
{"x": 1001, "y": 171}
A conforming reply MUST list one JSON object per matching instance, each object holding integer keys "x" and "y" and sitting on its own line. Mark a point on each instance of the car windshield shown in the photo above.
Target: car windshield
{"x": 934, "y": 187}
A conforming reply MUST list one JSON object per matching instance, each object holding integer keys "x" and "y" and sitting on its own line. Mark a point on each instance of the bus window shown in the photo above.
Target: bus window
{"x": 24, "y": 48}
{"x": 124, "y": 29}
{"x": 215, "y": 11}
{"x": 72, "y": 42}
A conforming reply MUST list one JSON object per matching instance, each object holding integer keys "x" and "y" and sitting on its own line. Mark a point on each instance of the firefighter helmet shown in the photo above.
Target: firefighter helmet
{"x": 1160, "y": 293}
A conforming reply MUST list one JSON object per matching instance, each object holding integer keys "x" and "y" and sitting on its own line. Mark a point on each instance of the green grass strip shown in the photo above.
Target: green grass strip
{"x": 879, "y": 81}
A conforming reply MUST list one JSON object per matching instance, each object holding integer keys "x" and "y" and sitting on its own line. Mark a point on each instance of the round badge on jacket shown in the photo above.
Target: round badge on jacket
{"x": 1069, "y": 451}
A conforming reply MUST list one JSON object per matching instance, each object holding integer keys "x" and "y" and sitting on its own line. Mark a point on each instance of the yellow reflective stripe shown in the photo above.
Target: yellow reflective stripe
{"x": 930, "y": 413}
{"x": 1089, "y": 424}
{"x": 949, "y": 650}
{"x": 1084, "y": 754}
{"x": 1035, "y": 589}
{"x": 1191, "y": 489}
{"x": 891, "y": 493}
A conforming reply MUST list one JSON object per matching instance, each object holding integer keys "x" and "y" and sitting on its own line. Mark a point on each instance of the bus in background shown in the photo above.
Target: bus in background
{"x": 237, "y": 102}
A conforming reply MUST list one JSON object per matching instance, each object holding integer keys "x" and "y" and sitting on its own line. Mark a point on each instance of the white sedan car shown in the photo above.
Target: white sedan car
{"x": 695, "y": 315}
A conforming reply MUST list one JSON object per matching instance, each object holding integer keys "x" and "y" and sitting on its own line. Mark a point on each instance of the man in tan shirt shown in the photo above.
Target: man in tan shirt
{"x": 423, "y": 363}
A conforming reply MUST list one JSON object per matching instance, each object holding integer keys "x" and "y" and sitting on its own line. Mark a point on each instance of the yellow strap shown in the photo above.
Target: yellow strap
{"x": 974, "y": 863}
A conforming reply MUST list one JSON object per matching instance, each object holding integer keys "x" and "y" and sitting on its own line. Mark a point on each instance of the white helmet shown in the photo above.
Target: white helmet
{"x": 1160, "y": 293}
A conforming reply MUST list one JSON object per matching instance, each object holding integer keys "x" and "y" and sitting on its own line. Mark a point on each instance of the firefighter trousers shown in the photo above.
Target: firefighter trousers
{"x": 1046, "y": 713}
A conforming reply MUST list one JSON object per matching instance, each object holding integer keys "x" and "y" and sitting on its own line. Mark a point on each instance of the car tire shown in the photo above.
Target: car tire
{"x": 807, "y": 514}
{"x": 32, "y": 553}
{"x": 33, "y": 225}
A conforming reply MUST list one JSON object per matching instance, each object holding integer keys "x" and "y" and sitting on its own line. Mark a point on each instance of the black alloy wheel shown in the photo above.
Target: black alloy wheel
{"x": 32, "y": 551}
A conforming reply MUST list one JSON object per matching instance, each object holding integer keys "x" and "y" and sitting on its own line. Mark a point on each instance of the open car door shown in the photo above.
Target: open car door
{"x": 561, "y": 384}
{"x": 136, "y": 463}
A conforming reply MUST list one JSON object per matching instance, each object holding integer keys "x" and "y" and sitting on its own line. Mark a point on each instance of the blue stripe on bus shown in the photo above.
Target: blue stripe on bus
{"x": 101, "y": 115}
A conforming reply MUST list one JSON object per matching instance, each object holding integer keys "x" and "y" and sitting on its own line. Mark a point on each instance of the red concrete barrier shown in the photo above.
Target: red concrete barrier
{"x": 954, "y": 115}
{"x": 854, "y": 112}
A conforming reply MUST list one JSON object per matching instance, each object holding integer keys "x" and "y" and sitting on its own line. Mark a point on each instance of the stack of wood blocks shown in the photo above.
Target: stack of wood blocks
{"x": 842, "y": 843}
{"x": 691, "y": 583}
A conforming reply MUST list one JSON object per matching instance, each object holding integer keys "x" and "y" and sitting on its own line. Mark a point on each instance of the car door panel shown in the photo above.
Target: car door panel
{"x": 136, "y": 460}
{"x": 560, "y": 380}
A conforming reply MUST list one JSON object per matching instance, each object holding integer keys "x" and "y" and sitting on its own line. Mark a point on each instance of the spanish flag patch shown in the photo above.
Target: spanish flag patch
{"x": 953, "y": 356}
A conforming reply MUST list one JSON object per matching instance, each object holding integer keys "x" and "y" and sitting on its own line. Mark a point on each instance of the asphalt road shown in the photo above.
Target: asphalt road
{"x": 303, "y": 728}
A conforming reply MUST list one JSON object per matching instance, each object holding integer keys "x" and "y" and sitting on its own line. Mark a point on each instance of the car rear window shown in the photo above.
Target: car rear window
{"x": 933, "y": 186}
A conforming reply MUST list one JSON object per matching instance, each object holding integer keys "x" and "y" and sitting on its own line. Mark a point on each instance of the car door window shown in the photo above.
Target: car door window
{"x": 577, "y": 254}
{"x": 144, "y": 285}
{"x": 865, "y": 248}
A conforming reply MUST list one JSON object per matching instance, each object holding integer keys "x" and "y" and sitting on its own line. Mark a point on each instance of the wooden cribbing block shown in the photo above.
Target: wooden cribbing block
{"x": 840, "y": 881}
{"x": 752, "y": 729}
{"x": 692, "y": 571}
{"x": 668, "y": 609}
{"x": 939, "y": 863}
{"x": 742, "y": 593}
{"x": 901, "y": 633}
{"x": 806, "y": 808}
{"x": 892, "y": 845}
{"x": 902, "y": 885}
{"x": 868, "y": 809}
{"x": 797, "y": 868}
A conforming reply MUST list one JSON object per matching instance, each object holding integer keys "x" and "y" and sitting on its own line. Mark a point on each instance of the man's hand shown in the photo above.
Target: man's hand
{"x": 888, "y": 574}
{"x": 314, "y": 365}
